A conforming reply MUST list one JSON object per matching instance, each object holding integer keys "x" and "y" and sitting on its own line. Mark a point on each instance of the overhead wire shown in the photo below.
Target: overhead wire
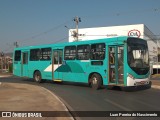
{"x": 124, "y": 13}
{"x": 84, "y": 17}
{"x": 58, "y": 26}
{"x": 43, "y": 33}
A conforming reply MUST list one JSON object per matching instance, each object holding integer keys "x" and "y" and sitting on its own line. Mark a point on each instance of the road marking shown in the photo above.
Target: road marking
{"x": 146, "y": 104}
{"x": 117, "y": 105}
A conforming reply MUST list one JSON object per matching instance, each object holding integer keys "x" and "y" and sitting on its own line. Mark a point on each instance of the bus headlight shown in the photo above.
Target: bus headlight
{"x": 129, "y": 75}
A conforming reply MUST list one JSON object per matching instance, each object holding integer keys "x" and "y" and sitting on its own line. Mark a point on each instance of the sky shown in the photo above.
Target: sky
{"x": 35, "y": 22}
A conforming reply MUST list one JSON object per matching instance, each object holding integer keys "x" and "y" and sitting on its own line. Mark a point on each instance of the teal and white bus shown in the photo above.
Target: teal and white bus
{"x": 119, "y": 61}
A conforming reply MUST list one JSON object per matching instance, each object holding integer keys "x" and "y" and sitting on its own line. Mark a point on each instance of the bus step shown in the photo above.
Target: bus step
{"x": 57, "y": 80}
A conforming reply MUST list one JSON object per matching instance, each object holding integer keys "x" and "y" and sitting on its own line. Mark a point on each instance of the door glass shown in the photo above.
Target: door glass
{"x": 55, "y": 57}
{"x": 24, "y": 65}
{"x": 57, "y": 62}
{"x": 120, "y": 64}
{"x": 25, "y": 58}
{"x": 58, "y": 57}
{"x": 112, "y": 65}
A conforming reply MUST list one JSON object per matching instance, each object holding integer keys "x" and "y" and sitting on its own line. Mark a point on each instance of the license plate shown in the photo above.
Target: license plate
{"x": 142, "y": 82}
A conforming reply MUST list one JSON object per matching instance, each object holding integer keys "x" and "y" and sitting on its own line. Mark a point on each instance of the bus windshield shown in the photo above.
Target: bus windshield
{"x": 138, "y": 57}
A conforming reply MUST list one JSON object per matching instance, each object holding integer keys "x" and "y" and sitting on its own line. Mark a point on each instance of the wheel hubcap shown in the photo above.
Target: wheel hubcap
{"x": 37, "y": 77}
{"x": 94, "y": 80}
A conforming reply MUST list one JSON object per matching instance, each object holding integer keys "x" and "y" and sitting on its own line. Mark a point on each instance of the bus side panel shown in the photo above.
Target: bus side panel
{"x": 40, "y": 66}
{"x": 79, "y": 71}
{"x": 17, "y": 68}
{"x": 71, "y": 71}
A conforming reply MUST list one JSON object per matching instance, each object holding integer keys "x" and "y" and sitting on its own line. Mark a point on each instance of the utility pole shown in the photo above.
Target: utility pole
{"x": 77, "y": 20}
{"x": 16, "y": 44}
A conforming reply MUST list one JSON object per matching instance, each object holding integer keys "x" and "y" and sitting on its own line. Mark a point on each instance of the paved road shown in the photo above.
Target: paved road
{"x": 83, "y": 98}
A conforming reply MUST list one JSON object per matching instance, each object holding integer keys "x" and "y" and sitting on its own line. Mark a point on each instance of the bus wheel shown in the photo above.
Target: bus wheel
{"x": 37, "y": 77}
{"x": 96, "y": 81}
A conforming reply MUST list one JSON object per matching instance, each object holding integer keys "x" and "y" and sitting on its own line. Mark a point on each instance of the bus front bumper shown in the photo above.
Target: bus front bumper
{"x": 137, "y": 82}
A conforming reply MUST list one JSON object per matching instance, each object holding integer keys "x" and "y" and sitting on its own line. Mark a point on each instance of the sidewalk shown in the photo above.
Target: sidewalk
{"x": 155, "y": 84}
{"x": 5, "y": 74}
{"x": 24, "y": 97}
{"x": 155, "y": 79}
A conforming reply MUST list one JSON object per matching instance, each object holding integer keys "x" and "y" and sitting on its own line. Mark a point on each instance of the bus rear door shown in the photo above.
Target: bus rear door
{"x": 116, "y": 67}
{"x": 56, "y": 63}
{"x": 17, "y": 63}
{"x": 24, "y": 64}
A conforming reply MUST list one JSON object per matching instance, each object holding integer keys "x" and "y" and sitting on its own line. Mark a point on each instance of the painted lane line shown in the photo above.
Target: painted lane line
{"x": 117, "y": 105}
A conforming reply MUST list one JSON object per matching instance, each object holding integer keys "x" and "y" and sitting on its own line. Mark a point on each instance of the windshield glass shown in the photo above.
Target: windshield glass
{"x": 138, "y": 54}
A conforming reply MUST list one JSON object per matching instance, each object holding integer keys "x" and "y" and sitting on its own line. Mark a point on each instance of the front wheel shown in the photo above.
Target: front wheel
{"x": 96, "y": 81}
{"x": 37, "y": 77}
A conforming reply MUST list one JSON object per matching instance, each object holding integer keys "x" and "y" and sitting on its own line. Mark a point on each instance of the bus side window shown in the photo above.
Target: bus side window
{"x": 34, "y": 54}
{"x": 83, "y": 52}
{"x": 17, "y": 55}
{"x": 98, "y": 51}
{"x": 45, "y": 54}
{"x": 70, "y": 53}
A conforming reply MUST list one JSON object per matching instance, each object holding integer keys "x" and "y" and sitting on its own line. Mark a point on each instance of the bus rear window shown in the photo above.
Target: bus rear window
{"x": 98, "y": 51}
{"x": 17, "y": 56}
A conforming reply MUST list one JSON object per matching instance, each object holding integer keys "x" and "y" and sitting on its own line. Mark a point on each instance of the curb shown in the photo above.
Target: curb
{"x": 2, "y": 76}
{"x": 65, "y": 108}
{"x": 61, "y": 101}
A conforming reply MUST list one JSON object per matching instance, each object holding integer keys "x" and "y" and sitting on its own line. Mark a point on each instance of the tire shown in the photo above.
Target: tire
{"x": 37, "y": 77}
{"x": 96, "y": 81}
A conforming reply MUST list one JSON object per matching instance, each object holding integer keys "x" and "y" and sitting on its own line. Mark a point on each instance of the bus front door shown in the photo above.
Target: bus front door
{"x": 116, "y": 66}
{"x": 24, "y": 64}
{"x": 56, "y": 63}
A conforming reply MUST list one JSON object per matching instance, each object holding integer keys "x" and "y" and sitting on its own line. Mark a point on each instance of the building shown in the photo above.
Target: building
{"x": 5, "y": 62}
{"x": 137, "y": 30}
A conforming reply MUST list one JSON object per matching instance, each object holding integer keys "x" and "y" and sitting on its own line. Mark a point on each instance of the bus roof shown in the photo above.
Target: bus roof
{"x": 106, "y": 40}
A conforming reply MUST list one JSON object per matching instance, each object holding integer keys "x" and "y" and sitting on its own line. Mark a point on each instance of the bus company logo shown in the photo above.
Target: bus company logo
{"x": 134, "y": 33}
{"x": 6, "y": 114}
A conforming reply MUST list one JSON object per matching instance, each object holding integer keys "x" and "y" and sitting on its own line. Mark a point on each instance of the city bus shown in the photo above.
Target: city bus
{"x": 119, "y": 61}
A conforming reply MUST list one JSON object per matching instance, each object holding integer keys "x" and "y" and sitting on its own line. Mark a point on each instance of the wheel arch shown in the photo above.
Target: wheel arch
{"x": 36, "y": 71}
{"x": 89, "y": 77}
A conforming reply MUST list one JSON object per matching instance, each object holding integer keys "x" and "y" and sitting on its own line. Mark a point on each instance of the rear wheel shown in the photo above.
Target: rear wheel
{"x": 96, "y": 81}
{"x": 37, "y": 77}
